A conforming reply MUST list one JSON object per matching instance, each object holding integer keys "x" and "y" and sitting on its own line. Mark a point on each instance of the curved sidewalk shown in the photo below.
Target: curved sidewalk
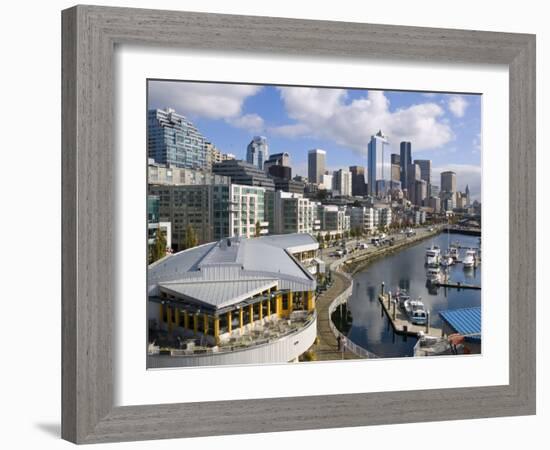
{"x": 327, "y": 347}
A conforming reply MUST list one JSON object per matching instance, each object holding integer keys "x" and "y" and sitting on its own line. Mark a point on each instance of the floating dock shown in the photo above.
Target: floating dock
{"x": 400, "y": 321}
{"x": 457, "y": 285}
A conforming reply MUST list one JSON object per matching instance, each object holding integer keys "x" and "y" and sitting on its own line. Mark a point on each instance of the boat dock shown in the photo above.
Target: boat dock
{"x": 400, "y": 321}
{"x": 457, "y": 285}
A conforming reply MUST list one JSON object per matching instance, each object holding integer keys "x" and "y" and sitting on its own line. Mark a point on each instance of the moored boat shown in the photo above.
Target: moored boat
{"x": 433, "y": 256}
{"x": 469, "y": 259}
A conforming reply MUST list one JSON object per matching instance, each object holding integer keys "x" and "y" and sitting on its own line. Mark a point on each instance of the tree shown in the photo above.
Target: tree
{"x": 257, "y": 230}
{"x": 158, "y": 249}
{"x": 190, "y": 239}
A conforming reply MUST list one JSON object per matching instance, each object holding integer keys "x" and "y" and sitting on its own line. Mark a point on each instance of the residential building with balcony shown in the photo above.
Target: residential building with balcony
{"x": 173, "y": 140}
{"x": 292, "y": 213}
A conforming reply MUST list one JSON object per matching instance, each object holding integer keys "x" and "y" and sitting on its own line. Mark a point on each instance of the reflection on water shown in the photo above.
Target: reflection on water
{"x": 371, "y": 329}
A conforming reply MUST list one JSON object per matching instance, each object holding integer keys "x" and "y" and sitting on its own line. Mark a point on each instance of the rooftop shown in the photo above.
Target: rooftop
{"x": 466, "y": 321}
{"x": 224, "y": 273}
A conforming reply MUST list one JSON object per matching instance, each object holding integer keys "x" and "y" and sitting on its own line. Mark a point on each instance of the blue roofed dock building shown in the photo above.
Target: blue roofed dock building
{"x": 465, "y": 322}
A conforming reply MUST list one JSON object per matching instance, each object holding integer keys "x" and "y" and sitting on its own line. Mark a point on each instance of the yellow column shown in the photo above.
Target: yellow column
{"x": 169, "y": 318}
{"x": 269, "y": 306}
{"x": 217, "y": 330}
{"x": 205, "y": 322}
{"x": 195, "y": 323}
{"x": 161, "y": 313}
{"x": 290, "y": 305}
{"x": 185, "y": 320}
{"x": 279, "y": 305}
{"x": 229, "y": 325}
{"x": 310, "y": 301}
{"x": 250, "y": 313}
{"x": 261, "y": 313}
{"x": 177, "y": 318}
{"x": 241, "y": 319}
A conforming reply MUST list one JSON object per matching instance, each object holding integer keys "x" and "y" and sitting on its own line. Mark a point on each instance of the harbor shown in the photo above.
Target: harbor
{"x": 380, "y": 325}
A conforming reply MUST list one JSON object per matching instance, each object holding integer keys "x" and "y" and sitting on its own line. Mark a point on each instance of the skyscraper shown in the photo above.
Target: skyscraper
{"x": 405, "y": 160}
{"x": 376, "y": 162}
{"x": 172, "y": 139}
{"x": 420, "y": 192}
{"x": 257, "y": 152}
{"x": 395, "y": 167}
{"x": 448, "y": 181}
{"x": 316, "y": 165}
{"x": 425, "y": 172}
{"x": 413, "y": 175}
{"x": 358, "y": 186}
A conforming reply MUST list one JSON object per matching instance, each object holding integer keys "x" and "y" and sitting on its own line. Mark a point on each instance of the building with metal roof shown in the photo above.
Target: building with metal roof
{"x": 466, "y": 322}
{"x": 224, "y": 290}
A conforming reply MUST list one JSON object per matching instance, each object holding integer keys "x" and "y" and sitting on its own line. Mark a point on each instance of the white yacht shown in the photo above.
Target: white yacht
{"x": 433, "y": 256}
{"x": 433, "y": 274}
{"x": 416, "y": 312}
{"x": 447, "y": 260}
{"x": 469, "y": 259}
{"x": 453, "y": 252}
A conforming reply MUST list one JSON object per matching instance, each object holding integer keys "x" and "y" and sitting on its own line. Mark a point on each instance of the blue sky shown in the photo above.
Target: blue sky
{"x": 445, "y": 128}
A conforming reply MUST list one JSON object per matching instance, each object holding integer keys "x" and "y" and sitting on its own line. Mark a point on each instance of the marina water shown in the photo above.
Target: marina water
{"x": 405, "y": 269}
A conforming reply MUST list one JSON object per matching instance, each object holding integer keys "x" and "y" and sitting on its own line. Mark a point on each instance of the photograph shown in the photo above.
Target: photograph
{"x": 290, "y": 224}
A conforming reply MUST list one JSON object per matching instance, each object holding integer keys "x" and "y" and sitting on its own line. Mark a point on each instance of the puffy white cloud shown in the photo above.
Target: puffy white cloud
{"x": 466, "y": 174}
{"x": 250, "y": 122}
{"x": 327, "y": 114}
{"x": 208, "y": 100}
{"x": 457, "y": 105}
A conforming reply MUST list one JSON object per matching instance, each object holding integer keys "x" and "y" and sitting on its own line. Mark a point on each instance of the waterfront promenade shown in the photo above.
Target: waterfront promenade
{"x": 326, "y": 347}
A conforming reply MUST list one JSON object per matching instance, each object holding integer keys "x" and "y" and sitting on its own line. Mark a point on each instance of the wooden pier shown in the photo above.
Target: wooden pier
{"x": 457, "y": 285}
{"x": 400, "y": 321}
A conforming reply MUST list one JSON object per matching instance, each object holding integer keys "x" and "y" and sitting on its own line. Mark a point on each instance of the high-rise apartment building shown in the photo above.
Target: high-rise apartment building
{"x": 376, "y": 162}
{"x": 257, "y": 152}
{"x": 316, "y": 159}
{"x": 172, "y": 139}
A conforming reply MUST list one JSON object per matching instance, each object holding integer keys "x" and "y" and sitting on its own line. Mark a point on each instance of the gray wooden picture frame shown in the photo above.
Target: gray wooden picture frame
{"x": 90, "y": 34}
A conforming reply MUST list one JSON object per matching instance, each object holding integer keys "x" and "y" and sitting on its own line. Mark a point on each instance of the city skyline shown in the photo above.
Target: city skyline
{"x": 444, "y": 128}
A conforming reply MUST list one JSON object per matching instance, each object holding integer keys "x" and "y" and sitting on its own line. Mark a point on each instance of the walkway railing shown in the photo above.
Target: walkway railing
{"x": 339, "y": 300}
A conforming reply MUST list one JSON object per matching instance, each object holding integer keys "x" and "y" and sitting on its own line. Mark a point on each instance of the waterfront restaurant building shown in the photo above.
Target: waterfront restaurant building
{"x": 234, "y": 301}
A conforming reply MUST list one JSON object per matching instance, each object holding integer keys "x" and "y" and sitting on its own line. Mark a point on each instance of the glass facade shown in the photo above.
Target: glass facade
{"x": 257, "y": 152}
{"x": 172, "y": 139}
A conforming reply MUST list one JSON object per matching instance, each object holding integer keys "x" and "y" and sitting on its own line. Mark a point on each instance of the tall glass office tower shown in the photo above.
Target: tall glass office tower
{"x": 405, "y": 160}
{"x": 257, "y": 152}
{"x": 172, "y": 139}
{"x": 376, "y": 162}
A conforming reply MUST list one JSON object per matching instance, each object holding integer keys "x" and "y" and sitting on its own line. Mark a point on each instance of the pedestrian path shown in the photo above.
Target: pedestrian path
{"x": 326, "y": 348}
